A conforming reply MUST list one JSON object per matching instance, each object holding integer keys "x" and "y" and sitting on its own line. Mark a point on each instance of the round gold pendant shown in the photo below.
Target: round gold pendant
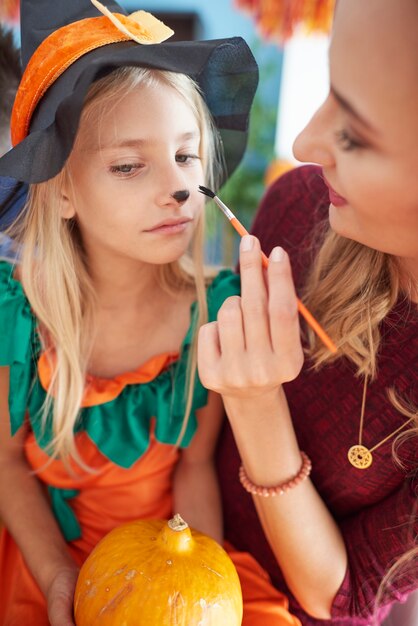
{"x": 360, "y": 457}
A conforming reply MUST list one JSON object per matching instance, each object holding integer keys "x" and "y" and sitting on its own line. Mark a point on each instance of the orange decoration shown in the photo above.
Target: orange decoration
{"x": 153, "y": 572}
{"x": 100, "y": 390}
{"x": 277, "y": 19}
{"x": 9, "y": 11}
{"x": 64, "y": 46}
{"x": 276, "y": 169}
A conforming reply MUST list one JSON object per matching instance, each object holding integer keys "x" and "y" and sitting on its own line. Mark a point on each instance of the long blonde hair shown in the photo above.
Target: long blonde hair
{"x": 351, "y": 288}
{"x": 55, "y": 274}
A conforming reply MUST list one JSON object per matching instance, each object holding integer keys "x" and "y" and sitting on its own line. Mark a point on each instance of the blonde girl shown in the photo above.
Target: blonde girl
{"x": 103, "y": 418}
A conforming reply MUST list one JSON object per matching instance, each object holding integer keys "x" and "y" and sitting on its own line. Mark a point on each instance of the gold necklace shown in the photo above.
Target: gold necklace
{"x": 360, "y": 456}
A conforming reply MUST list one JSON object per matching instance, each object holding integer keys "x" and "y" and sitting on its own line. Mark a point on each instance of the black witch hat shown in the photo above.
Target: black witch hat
{"x": 48, "y": 105}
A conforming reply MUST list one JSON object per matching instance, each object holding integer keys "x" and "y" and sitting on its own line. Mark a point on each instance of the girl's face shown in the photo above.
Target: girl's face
{"x": 365, "y": 135}
{"x": 126, "y": 174}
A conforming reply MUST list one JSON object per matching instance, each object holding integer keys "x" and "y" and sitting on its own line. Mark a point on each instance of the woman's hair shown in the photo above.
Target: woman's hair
{"x": 55, "y": 273}
{"x": 350, "y": 289}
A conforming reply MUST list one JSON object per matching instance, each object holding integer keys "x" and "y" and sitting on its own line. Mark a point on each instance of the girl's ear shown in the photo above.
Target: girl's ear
{"x": 67, "y": 208}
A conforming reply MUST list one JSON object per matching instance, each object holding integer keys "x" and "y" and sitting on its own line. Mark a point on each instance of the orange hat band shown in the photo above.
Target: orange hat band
{"x": 55, "y": 54}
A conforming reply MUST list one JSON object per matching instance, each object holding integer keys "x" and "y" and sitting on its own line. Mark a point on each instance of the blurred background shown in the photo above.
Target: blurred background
{"x": 289, "y": 39}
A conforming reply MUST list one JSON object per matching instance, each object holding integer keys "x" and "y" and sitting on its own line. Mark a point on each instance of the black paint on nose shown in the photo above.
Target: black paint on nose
{"x": 181, "y": 196}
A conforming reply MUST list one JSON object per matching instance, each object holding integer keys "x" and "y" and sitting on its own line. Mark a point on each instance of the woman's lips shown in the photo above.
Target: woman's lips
{"x": 334, "y": 197}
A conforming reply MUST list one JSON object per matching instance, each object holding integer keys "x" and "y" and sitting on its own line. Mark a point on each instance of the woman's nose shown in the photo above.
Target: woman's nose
{"x": 181, "y": 196}
{"x": 314, "y": 144}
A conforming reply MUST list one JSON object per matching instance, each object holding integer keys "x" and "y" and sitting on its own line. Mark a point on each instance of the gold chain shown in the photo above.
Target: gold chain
{"x": 360, "y": 456}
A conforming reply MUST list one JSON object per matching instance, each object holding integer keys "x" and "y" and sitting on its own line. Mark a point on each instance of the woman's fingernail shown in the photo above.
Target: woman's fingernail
{"x": 247, "y": 243}
{"x": 277, "y": 254}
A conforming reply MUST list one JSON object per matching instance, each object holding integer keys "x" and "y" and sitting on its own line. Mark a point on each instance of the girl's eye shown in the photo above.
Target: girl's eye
{"x": 186, "y": 158}
{"x": 347, "y": 142}
{"x": 125, "y": 169}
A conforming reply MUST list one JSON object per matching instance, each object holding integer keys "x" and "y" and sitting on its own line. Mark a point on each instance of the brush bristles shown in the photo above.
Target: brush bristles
{"x": 206, "y": 191}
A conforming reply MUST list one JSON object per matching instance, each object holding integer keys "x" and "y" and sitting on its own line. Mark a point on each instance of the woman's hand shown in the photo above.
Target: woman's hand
{"x": 246, "y": 355}
{"x": 255, "y": 345}
{"x": 60, "y": 597}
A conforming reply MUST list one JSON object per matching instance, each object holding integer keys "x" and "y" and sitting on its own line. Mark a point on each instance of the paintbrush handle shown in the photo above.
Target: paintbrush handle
{"x": 327, "y": 341}
{"x": 239, "y": 227}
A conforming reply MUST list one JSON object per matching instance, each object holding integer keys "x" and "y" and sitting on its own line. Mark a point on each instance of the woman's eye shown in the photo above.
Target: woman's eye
{"x": 186, "y": 158}
{"x": 125, "y": 168}
{"x": 347, "y": 142}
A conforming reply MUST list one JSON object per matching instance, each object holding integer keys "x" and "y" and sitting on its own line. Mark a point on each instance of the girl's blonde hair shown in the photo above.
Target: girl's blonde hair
{"x": 54, "y": 269}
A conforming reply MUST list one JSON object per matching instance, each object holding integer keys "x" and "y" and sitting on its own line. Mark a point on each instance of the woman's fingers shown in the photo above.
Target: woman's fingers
{"x": 221, "y": 344}
{"x": 254, "y": 298}
{"x": 255, "y": 344}
{"x": 230, "y": 328}
{"x": 283, "y": 313}
{"x": 208, "y": 355}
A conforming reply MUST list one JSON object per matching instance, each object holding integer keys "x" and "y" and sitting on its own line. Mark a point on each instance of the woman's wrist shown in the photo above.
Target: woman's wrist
{"x": 278, "y": 489}
{"x": 256, "y": 408}
{"x": 265, "y": 438}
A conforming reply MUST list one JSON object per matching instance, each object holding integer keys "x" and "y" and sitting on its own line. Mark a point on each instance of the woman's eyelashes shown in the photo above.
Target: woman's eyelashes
{"x": 346, "y": 141}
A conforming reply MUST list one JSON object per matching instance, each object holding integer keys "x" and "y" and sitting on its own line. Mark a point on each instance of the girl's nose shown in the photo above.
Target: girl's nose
{"x": 181, "y": 196}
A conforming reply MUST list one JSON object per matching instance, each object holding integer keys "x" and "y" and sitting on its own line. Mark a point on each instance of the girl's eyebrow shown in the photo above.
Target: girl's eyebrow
{"x": 134, "y": 143}
{"x": 347, "y": 106}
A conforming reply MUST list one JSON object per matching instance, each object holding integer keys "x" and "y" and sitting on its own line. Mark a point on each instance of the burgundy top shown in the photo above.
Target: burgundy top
{"x": 372, "y": 507}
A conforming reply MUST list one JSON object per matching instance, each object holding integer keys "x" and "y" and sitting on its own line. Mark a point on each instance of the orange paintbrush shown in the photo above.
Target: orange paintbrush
{"x": 242, "y": 231}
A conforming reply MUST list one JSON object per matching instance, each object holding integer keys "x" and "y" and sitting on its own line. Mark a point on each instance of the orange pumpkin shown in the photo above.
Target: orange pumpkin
{"x": 158, "y": 573}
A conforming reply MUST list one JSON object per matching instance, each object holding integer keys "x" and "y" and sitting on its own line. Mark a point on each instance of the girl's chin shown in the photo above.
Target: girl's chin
{"x": 163, "y": 259}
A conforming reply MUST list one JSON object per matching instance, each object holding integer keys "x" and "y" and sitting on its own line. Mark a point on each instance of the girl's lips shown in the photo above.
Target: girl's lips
{"x": 170, "y": 227}
{"x": 334, "y": 197}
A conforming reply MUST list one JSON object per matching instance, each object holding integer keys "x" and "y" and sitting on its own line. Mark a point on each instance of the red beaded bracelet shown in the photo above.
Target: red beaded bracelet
{"x": 277, "y": 490}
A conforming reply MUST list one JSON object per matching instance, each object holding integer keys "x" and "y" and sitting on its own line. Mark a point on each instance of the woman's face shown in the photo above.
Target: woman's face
{"x": 365, "y": 135}
{"x": 125, "y": 172}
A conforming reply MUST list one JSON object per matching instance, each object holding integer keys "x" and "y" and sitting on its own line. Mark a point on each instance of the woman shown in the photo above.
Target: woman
{"x": 351, "y": 231}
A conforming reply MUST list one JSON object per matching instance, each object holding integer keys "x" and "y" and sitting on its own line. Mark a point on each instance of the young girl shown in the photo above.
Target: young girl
{"x": 351, "y": 230}
{"x": 98, "y": 319}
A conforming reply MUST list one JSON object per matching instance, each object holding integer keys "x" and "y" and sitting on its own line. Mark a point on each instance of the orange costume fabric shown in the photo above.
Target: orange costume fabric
{"x": 142, "y": 492}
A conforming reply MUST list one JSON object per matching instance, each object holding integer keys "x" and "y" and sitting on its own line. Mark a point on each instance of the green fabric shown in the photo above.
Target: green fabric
{"x": 19, "y": 344}
{"x": 120, "y": 428}
{"x": 63, "y": 513}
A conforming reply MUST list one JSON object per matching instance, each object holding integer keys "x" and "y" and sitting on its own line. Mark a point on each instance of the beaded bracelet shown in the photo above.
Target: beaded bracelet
{"x": 280, "y": 489}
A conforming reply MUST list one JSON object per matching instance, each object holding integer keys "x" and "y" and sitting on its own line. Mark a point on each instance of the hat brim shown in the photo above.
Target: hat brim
{"x": 224, "y": 69}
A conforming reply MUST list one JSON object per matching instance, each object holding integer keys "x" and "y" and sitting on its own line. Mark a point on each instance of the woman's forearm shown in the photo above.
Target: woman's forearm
{"x": 25, "y": 511}
{"x": 302, "y": 533}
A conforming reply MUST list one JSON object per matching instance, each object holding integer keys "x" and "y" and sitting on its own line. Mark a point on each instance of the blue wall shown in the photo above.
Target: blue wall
{"x": 218, "y": 19}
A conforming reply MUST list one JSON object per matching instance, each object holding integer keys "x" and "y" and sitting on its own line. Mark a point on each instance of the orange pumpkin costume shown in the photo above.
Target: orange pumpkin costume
{"x": 123, "y": 488}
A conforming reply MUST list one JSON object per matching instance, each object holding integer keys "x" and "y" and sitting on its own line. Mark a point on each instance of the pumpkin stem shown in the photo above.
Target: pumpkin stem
{"x": 176, "y": 536}
{"x": 177, "y": 523}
